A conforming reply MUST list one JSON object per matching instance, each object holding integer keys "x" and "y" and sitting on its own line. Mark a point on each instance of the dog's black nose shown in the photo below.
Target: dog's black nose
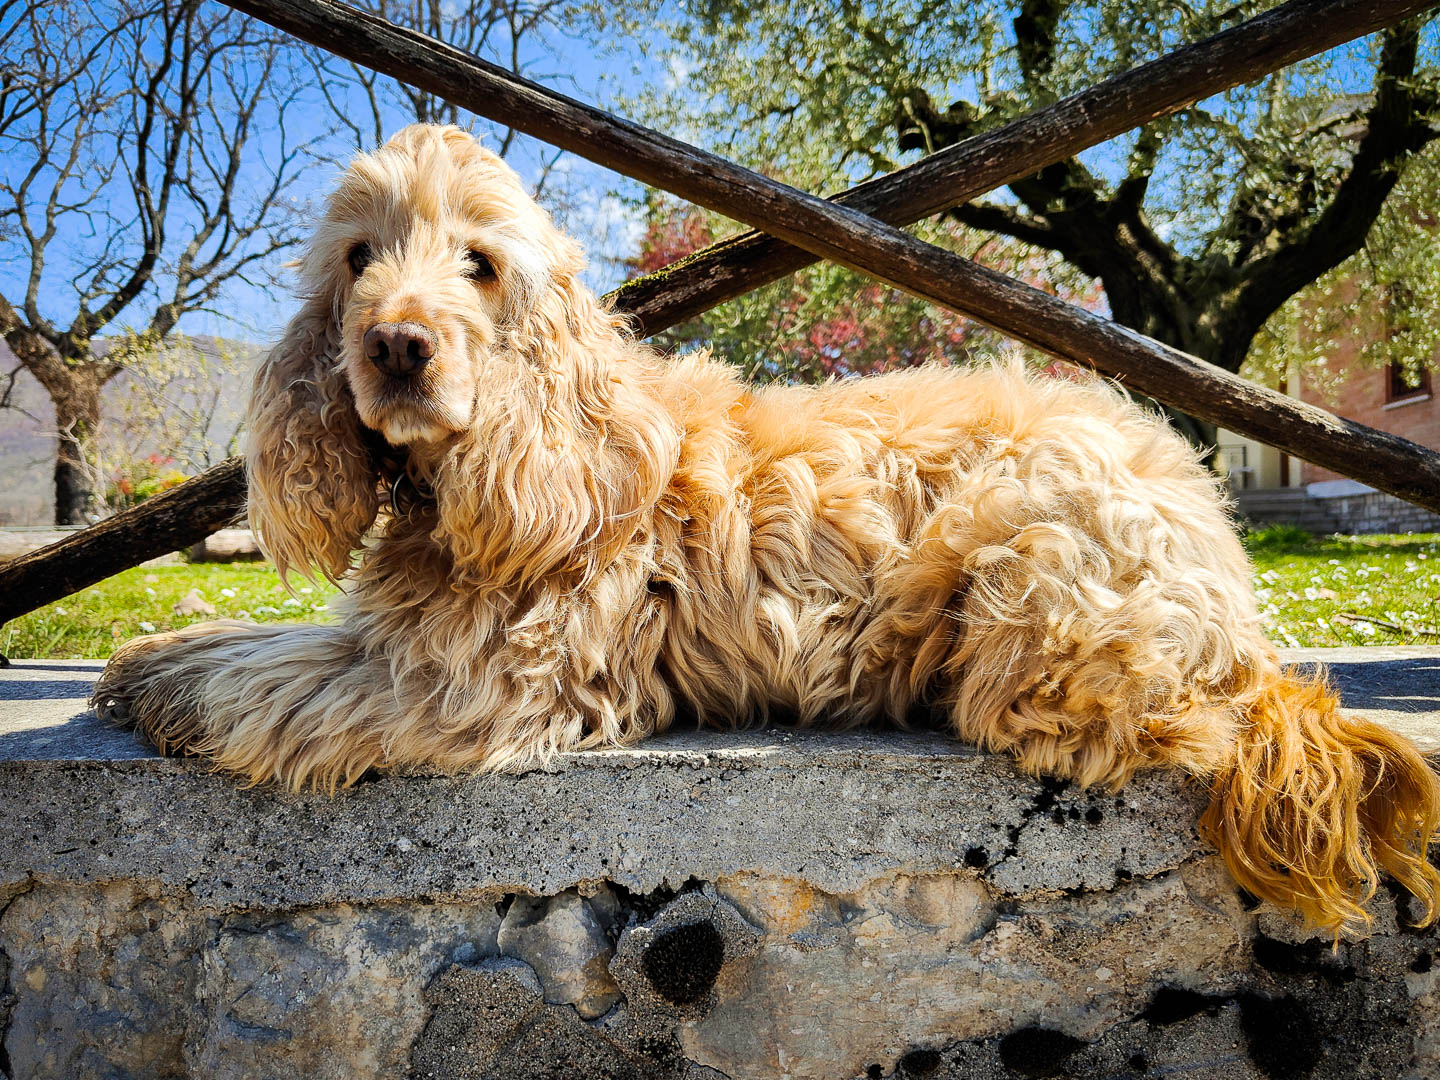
{"x": 400, "y": 349}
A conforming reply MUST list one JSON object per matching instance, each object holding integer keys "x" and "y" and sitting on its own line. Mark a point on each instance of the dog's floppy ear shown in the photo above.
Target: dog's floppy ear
{"x": 312, "y": 478}
{"x": 560, "y": 479}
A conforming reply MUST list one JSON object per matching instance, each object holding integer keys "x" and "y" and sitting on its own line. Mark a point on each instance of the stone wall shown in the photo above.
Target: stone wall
{"x": 1364, "y": 511}
{"x": 750, "y": 905}
{"x": 1377, "y": 512}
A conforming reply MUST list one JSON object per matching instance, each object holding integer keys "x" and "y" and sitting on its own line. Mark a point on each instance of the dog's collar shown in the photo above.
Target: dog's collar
{"x": 408, "y": 495}
{"x": 392, "y": 464}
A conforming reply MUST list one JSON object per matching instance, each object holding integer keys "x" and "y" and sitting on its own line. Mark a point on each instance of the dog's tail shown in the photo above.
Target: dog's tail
{"x": 1316, "y": 803}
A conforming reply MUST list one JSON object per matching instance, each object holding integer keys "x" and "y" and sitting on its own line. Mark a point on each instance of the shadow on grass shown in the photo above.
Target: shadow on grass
{"x": 1293, "y": 540}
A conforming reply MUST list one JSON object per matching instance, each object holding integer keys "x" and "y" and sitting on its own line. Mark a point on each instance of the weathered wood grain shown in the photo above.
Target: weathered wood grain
{"x": 170, "y": 521}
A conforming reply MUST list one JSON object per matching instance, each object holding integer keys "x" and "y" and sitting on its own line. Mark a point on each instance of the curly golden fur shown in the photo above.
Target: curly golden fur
{"x": 611, "y": 537}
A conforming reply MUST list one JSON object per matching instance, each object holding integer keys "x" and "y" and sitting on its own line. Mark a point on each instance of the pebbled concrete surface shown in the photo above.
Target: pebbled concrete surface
{"x": 837, "y": 809}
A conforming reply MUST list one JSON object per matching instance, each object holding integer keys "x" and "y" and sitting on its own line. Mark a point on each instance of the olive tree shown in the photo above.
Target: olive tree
{"x": 1199, "y": 227}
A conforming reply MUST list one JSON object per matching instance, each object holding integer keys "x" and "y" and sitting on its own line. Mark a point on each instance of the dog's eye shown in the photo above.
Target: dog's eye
{"x": 480, "y": 267}
{"x": 360, "y": 257}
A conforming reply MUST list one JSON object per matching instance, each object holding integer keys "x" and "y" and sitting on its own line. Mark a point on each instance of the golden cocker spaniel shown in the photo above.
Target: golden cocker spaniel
{"x": 591, "y": 537}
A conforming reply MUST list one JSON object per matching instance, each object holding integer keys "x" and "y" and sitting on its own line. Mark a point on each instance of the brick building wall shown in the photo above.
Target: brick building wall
{"x": 1367, "y": 395}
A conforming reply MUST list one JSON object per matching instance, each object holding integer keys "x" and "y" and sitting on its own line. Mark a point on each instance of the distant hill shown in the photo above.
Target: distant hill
{"x": 27, "y": 440}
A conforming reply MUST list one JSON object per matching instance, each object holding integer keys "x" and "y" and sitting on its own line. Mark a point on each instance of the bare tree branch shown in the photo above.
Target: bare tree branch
{"x": 125, "y": 129}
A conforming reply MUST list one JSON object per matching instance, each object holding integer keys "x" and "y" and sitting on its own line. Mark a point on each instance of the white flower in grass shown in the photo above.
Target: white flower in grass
{"x": 1364, "y": 629}
{"x": 290, "y": 601}
{"x": 228, "y": 592}
{"x": 147, "y": 627}
{"x": 149, "y": 591}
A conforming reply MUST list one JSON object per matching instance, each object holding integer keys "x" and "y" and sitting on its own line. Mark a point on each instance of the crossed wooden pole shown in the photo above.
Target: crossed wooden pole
{"x": 859, "y": 229}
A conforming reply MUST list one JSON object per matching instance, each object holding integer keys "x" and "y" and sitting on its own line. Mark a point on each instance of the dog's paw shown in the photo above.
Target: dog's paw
{"x": 125, "y": 677}
{"x": 111, "y": 706}
{"x": 141, "y": 689}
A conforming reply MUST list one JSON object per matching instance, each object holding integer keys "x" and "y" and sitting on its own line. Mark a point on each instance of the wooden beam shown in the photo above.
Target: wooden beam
{"x": 844, "y": 235}
{"x": 172, "y": 520}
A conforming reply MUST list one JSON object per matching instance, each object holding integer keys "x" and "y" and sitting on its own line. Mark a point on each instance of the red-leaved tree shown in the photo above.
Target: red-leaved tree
{"x": 828, "y": 321}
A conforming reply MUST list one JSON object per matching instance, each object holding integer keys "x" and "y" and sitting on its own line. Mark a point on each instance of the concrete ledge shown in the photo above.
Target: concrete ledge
{"x": 748, "y": 905}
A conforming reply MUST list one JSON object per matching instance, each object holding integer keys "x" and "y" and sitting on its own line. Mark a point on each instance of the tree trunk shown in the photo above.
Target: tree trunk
{"x": 76, "y": 395}
{"x": 75, "y": 497}
{"x": 1166, "y": 316}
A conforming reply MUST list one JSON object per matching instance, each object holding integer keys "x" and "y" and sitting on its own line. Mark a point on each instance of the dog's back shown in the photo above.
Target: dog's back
{"x": 849, "y": 550}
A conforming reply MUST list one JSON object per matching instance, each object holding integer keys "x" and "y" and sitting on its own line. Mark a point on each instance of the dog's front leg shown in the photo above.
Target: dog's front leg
{"x": 264, "y": 702}
{"x": 308, "y": 706}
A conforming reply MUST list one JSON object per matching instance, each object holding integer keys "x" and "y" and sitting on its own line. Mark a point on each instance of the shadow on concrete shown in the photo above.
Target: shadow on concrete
{"x": 87, "y": 667}
{"x": 81, "y": 737}
{"x": 1409, "y": 684}
{"x": 47, "y": 689}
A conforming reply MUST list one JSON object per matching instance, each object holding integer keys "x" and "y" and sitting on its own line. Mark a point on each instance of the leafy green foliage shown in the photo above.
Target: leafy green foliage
{"x": 135, "y": 481}
{"x": 1379, "y": 306}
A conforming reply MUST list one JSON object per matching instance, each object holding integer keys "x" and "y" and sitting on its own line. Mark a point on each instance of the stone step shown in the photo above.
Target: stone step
{"x": 768, "y": 903}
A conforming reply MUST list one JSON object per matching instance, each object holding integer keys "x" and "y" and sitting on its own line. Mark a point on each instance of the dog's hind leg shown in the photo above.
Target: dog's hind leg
{"x": 1090, "y": 652}
{"x": 1089, "y": 666}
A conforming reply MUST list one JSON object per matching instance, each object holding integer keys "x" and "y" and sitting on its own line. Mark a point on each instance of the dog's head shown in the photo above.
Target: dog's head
{"x": 444, "y": 314}
{"x": 435, "y": 257}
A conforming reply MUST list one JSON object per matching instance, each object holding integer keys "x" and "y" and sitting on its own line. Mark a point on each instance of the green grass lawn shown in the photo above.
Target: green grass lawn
{"x": 1336, "y": 590}
{"x": 97, "y": 620}
{"x": 1347, "y": 590}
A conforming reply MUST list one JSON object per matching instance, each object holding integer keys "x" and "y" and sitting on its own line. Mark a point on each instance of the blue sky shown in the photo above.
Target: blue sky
{"x": 597, "y": 206}
{"x": 593, "y": 204}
